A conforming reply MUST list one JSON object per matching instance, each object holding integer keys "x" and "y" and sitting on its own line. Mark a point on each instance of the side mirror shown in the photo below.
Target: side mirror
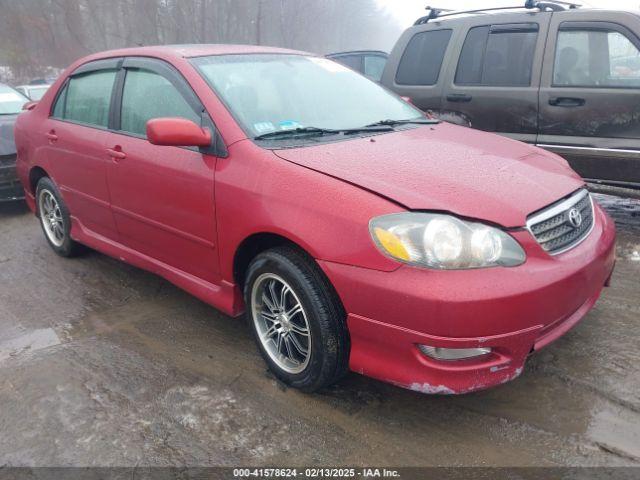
{"x": 29, "y": 105}
{"x": 177, "y": 132}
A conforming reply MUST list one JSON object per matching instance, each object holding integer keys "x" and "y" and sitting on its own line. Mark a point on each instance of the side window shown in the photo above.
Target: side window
{"x": 354, "y": 62}
{"x": 498, "y": 55}
{"x": 139, "y": 87}
{"x": 374, "y": 66}
{"x": 58, "y": 109}
{"x": 596, "y": 58}
{"x": 422, "y": 59}
{"x": 87, "y": 98}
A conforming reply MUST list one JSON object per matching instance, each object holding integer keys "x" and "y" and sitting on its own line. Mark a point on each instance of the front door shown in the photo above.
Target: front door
{"x": 589, "y": 108}
{"x": 493, "y": 86}
{"x": 162, "y": 197}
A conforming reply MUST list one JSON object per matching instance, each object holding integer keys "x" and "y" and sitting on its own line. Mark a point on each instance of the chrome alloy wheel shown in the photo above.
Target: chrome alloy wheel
{"x": 51, "y": 217}
{"x": 281, "y": 323}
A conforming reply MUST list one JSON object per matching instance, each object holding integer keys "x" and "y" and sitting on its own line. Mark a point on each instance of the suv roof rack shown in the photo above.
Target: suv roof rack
{"x": 553, "y": 5}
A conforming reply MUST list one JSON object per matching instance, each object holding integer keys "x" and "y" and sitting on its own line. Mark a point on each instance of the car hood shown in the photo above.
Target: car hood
{"x": 447, "y": 168}
{"x": 7, "y": 144}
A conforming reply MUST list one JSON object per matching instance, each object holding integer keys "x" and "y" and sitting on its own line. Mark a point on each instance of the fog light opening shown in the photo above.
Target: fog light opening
{"x": 438, "y": 353}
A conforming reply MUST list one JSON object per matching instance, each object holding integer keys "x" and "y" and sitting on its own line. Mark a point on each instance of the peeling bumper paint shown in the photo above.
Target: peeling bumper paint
{"x": 432, "y": 389}
{"x": 391, "y": 354}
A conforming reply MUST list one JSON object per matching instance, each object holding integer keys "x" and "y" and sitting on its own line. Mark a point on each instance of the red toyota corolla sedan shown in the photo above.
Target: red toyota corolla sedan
{"x": 355, "y": 232}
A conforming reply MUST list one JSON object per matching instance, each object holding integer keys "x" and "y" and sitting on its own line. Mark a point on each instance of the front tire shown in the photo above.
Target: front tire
{"x": 297, "y": 319}
{"x": 55, "y": 219}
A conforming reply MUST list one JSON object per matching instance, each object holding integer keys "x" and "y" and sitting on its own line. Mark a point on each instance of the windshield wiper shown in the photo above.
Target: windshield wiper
{"x": 322, "y": 131}
{"x": 421, "y": 120}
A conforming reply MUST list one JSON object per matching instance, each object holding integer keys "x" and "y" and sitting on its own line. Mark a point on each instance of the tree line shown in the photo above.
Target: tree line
{"x": 35, "y": 34}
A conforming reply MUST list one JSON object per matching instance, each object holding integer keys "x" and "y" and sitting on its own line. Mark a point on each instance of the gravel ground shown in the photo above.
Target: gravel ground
{"x": 102, "y": 364}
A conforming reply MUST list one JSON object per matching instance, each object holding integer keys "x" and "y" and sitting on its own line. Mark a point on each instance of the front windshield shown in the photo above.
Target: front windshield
{"x": 11, "y": 101}
{"x": 269, "y": 93}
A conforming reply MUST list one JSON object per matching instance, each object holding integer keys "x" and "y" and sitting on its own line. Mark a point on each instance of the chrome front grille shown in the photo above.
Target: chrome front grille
{"x": 563, "y": 225}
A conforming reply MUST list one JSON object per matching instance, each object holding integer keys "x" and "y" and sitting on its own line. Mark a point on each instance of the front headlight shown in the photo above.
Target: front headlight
{"x": 444, "y": 242}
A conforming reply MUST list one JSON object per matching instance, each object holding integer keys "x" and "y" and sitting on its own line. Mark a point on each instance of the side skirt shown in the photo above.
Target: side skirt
{"x": 225, "y": 297}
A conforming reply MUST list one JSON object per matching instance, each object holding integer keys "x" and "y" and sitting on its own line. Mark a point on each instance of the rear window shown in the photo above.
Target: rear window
{"x": 86, "y": 98}
{"x": 498, "y": 55}
{"x": 422, "y": 59}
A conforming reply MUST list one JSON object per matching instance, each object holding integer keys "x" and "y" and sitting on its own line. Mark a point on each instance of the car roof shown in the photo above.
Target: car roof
{"x": 194, "y": 50}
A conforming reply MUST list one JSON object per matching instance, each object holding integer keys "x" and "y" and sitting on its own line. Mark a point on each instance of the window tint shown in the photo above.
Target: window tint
{"x": 87, "y": 98}
{"x": 374, "y": 66}
{"x": 140, "y": 86}
{"x": 498, "y": 55}
{"x": 596, "y": 58}
{"x": 354, "y": 62}
{"x": 421, "y": 61}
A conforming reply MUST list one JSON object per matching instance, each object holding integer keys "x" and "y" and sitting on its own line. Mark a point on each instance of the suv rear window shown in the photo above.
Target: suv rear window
{"x": 422, "y": 59}
{"x": 498, "y": 55}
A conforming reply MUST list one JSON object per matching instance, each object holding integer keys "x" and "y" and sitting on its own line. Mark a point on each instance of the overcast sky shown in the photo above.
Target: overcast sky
{"x": 407, "y": 11}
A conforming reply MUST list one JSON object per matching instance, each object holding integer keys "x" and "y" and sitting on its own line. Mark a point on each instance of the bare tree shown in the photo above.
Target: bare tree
{"x": 35, "y": 34}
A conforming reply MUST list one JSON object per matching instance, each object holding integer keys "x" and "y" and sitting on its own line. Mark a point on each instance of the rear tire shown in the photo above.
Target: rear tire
{"x": 55, "y": 219}
{"x": 297, "y": 319}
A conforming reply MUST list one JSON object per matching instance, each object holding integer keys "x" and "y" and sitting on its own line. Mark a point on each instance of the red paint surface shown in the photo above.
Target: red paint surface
{"x": 183, "y": 215}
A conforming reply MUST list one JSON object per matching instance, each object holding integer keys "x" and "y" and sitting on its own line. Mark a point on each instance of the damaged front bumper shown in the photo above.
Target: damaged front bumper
{"x": 511, "y": 311}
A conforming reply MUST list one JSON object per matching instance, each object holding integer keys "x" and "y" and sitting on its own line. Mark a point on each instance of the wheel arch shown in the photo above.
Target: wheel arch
{"x": 35, "y": 174}
{"x": 255, "y": 244}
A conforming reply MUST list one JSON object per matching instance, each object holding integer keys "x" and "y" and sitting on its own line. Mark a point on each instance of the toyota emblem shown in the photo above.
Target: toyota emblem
{"x": 575, "y": 217}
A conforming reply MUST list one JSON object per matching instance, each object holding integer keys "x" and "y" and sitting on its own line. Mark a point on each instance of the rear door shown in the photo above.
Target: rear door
{"x": 74, "y": 138}
{"x": 493, "y": 83}
{"x": 414, "y": 67}
{"x": 589, "y": 98}
{"x": 162, "y": 196}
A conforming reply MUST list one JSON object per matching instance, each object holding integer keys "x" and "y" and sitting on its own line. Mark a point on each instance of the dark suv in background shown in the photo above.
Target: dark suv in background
{"x": 564, "y": 78}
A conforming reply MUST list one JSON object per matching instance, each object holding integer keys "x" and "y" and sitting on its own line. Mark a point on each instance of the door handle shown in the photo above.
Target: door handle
{"x": 459, "y": 97}
{"x": 51, "y": 135}
{"x": 116, "y": 153}
{"x": 566, "y": 101}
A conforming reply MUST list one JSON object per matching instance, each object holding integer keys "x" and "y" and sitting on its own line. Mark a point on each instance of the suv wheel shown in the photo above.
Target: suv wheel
{"x": 297, "y": 319}
{"x": 54, "y": 218}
